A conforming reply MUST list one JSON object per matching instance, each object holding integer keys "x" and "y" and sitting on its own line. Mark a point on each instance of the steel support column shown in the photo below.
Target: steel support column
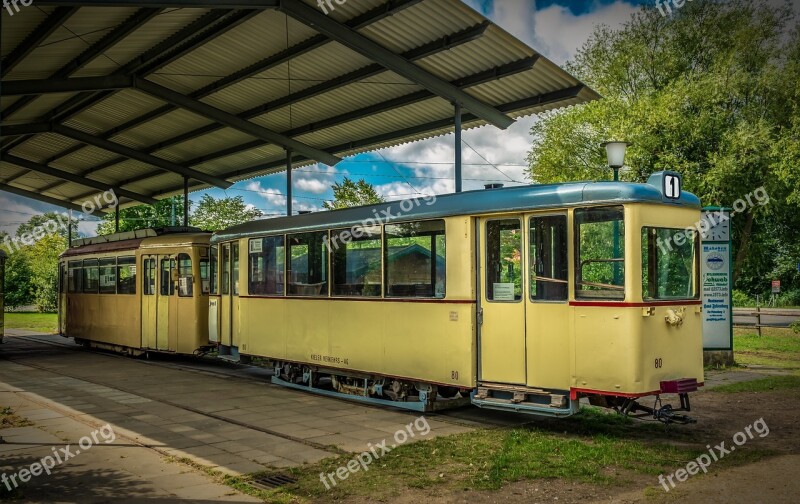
{"x": 186, "y": 201}
{"x": 116, "y": 218}
{"x": 289, "y": 182}
{"x": 458, "y": 147}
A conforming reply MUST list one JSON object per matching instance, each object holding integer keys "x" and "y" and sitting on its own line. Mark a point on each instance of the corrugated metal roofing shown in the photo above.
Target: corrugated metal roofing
{"x": 301, "y": 84}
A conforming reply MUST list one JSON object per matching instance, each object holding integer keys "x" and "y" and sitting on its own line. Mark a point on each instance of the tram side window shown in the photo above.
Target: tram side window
{"x": 414, "y": 257}
{"x": 266, "y": 261}
{"x": 235, "y": 268}
{"x": 226, "y": 270}
{"x": 108, "y": 276}
{"x": 356, "y": 261}
{"x": 167, "y": 285}
{"x": 504, "y": 260}
{"x": 75, "y": 277}
{"x": 91, "y": 276}
{"x": 548, "y": 258}
{"x": 126, "y": 275}
{"x": 307, "y": 260}
{"x": 185, "y": 276}
{"x": 149, "y": 277}
{"x": 669, "y": 271}
{"x": 600, "y": 253}
{"x": 213, "y": 281}
{"x": 205, "y": 277}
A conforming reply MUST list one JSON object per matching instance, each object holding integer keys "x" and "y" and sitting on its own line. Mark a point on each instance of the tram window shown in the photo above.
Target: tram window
{"x": 91, "y": 276}
{"x": 414, "y": 257}
{"x": 213, "y": 280}
{"x": 266, "y": 260}
{"x": 226, "y": 270}
{"x": 149, "y": 277}
{"x": 600, "y": 253}
{"x": 167, "y": 285}
{"x": 126, "y": 275}
{"x": 669, "y": 270}
{"x": 504, "y": 260}
{"x": 108, "y": 276}
{"x": 205, "y": 277}
{"x": 75, "y": 276}
{"x": 356, "y": 261}
{"x": 307, "y": 259}
{"x": 548, "y": 258}
{"x": 235, "y": 257}
{"x": 185, "y": 276}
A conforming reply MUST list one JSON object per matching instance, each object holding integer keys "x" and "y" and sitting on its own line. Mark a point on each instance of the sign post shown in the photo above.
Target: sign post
{"x": 716, "y": 275}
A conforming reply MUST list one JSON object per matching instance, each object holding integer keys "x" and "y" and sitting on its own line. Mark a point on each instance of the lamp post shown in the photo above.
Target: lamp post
{"x": 615, "y": 152}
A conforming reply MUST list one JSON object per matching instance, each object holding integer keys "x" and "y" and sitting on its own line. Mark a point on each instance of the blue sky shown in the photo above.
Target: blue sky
{"x": 556, "y": 28}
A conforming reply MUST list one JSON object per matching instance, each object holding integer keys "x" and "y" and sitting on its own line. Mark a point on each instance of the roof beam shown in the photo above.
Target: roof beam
{"x": 71, "y": 177}
{"x": 263, "y": 65}
{"x": 66, "y": 85}
{"x": 126, "y": 151}
{"x": 40, "y": 197}
{"x": 344, "y": 35}
{"x": 472, "y": 80}
{"x": 433, "y": 47}
{"x": 36, "y": 37}
{"x": 233, "y": 121}
{"x": 12, "y": 130}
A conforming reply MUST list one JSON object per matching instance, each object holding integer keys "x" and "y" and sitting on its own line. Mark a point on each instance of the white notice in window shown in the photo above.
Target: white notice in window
{"x": 503, "y": 292}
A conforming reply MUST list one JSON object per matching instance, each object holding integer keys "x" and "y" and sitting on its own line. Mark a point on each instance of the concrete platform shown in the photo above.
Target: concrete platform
{"x": 213, "y": 417}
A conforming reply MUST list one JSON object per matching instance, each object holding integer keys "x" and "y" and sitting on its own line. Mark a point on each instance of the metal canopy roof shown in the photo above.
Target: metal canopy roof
{"x": 138, "y": 95}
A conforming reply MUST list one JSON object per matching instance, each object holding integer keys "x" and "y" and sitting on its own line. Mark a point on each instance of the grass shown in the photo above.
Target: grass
{"x": 38, "y": 322}
{"x": 9, "y": 419}
{"x": 768, "y": 384}
{"x": 777, "y": 347}
{"x": 592, "y": 447}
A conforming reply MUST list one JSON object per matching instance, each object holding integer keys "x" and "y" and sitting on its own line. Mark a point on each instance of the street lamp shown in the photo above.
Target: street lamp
{"x": 615, "y": 151}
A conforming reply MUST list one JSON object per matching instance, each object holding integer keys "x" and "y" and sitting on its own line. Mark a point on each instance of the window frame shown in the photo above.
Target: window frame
{"x": 183, "y": 256}
{"x": 534, "y": 279}
{"x": 646, "y": 257}
{"x": 85, "y": 271}
{"x": 434, "y": 249}
{"x": 76, "y": 268}
{"x": 325, "y": 285}
{"x": 578, "y": 267}
{"x": 341, "y": 243}
{"x": 485, "y": 258}
{"x": 130, "y": 263}
{"x": 101, "y": 266}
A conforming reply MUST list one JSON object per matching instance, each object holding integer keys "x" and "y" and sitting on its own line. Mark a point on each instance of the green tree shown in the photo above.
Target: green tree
{"x": 47, "y": 223}
{"x": 215, "y": 214}
{"x": 18, "y": 288}
{"x": 352, "y": 194}
{"x": 145, "y": 216}
{"x": 44, "y": 270}
{"x": 712, "y": 92}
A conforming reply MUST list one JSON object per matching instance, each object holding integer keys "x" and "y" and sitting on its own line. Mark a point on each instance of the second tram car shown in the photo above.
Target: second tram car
{"x": 136, "y": 292}
{"x": 524, "y": 298}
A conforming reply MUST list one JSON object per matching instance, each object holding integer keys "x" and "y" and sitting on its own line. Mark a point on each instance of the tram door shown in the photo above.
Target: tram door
{"x": 502, "y": 319}
{"x": 159, "y": 303}
{"x": 229, "y": 304}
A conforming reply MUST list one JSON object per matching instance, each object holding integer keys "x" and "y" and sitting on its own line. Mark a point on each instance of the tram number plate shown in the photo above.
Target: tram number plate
{"x": 329, "y": 359}
{"x": 659, "y": 363}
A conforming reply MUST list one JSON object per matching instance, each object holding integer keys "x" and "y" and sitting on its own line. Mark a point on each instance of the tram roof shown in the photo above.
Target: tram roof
{"x": 138, "y": 94}
{"x": 509, "y": 199}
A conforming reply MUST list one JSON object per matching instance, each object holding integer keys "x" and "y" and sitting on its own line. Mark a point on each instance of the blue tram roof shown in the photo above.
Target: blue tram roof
{"x": 482, "y": 201}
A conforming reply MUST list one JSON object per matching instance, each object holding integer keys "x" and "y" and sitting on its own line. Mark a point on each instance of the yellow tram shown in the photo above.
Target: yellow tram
{"x": 524, "y": 298}
{"x": 2, "y": 294}
{"x": 138, "y": 291}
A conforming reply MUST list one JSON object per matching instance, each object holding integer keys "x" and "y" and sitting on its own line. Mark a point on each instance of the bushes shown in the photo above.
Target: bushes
{"x": 742, "y": 299}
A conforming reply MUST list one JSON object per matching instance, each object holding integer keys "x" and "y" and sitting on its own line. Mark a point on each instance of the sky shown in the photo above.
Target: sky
{"x": 554, "y": 28}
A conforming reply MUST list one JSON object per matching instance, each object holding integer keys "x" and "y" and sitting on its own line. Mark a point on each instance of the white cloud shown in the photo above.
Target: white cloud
{"x": 312, "y": 185}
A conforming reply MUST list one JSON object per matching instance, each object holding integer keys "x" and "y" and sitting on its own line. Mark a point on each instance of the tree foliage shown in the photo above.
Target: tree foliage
{"x": 712, "y": 92}
{"x": 352, "y": 194}
{"x": 163, "y": 214}
{"x": 215, "y": 214}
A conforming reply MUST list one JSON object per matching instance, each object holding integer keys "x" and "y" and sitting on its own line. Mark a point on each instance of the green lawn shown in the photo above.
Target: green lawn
{"x": 778, "y": 348}
{"x": 40, "y": 322}
{"x": 763, "y": 385}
